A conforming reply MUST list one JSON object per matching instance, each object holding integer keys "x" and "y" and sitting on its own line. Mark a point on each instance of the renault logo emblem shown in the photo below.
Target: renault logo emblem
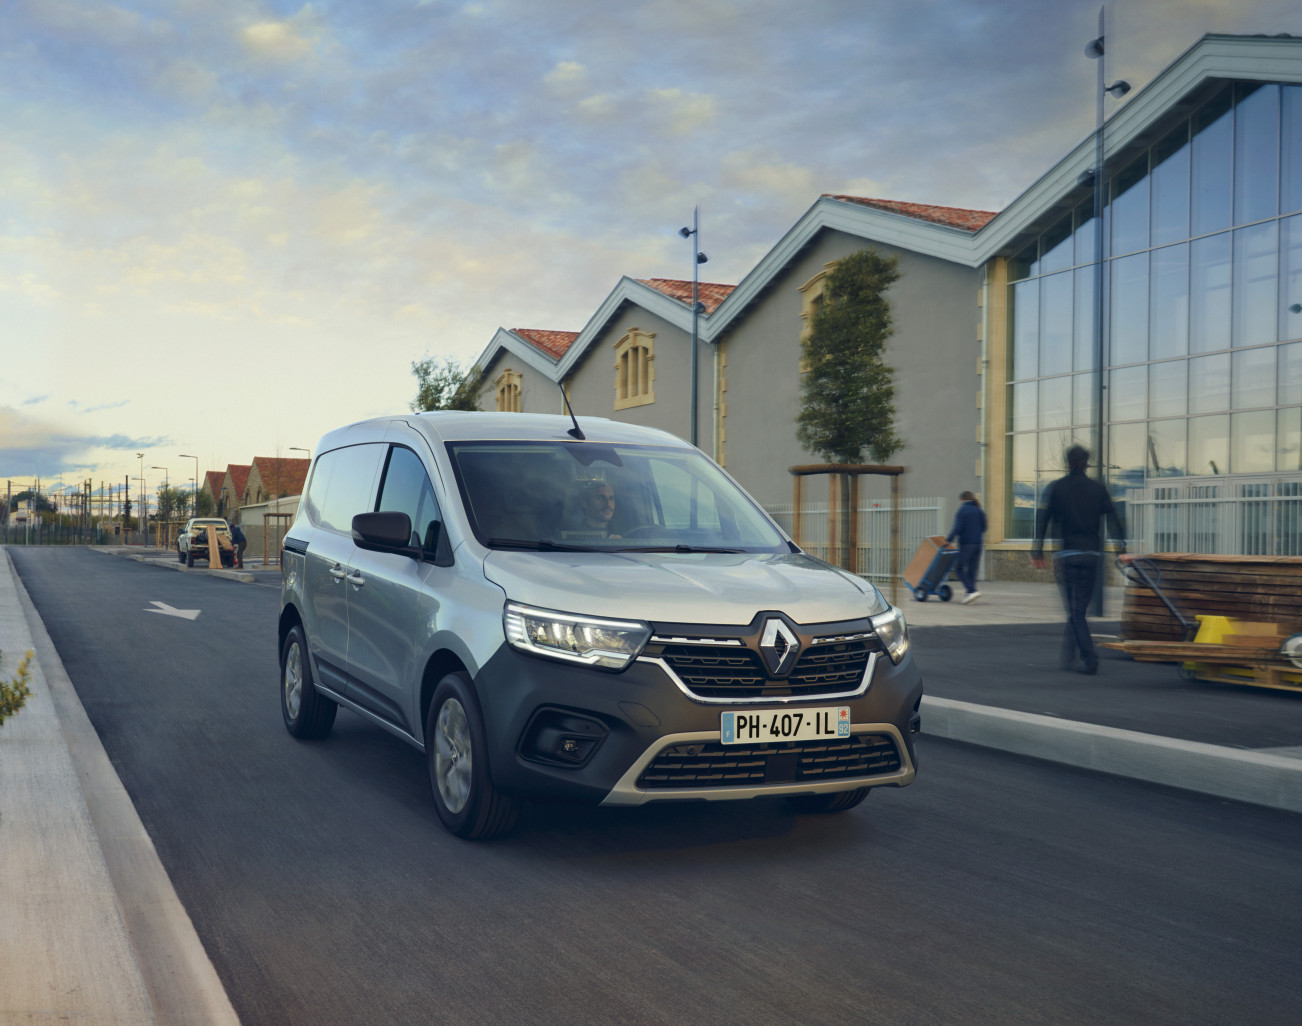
{"x": 779, "y": 647}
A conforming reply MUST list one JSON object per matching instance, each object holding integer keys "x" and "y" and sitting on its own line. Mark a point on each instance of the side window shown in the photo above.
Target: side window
{"x": 348, "y": 486}
{"x": 407, "y": 489}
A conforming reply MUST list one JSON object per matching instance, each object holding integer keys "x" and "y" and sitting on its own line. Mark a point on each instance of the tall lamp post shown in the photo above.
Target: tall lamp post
{"x": 1095, "y": 50}
{"x": 167, "y": 487}
{"x": 295, "y": 448}
{"x": 140, "y": 517}
{"x": 194, "y": 483}
{"x": 698, "y": 258}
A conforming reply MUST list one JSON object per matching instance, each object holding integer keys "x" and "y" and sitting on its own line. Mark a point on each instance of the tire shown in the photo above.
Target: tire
{"x": 920, "y": 594}
{"x": 180, "y": 556}
{"x": 456, "y": 749}
{"x": 189, "y": 557}
{"x": 824, "y": 804}
{"x": 945, "y": 592}
{"x": 307, "y": 714}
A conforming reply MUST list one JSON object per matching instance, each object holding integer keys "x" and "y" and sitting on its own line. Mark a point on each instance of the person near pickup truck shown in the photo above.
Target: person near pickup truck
{"x": 237, "y": 537}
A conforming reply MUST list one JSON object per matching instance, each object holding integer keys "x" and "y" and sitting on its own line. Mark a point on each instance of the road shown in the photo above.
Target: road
{"x": 994, "y": 890}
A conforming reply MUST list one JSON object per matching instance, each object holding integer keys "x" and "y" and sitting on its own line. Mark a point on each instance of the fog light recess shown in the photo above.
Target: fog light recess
{"x": 562, "y": 738}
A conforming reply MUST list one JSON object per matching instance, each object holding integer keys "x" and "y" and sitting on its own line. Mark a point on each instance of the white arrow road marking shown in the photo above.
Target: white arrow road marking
{"x": 166, "y": 610}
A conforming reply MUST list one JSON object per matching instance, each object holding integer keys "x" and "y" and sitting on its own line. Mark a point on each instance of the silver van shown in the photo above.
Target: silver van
{"x": 582, "y": 609}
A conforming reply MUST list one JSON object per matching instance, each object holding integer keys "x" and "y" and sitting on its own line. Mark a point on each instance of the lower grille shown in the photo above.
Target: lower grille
{"x": 710, "y": 764}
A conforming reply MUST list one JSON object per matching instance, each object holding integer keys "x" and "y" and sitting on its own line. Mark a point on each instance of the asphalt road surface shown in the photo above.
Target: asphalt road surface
{"x": 994, "y": 890}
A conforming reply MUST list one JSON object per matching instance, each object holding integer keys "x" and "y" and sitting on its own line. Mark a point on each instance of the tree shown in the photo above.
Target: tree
{"x": 848, "y": 394}
{"x": 446, "y": 386}
{"x": 204, "y": 505}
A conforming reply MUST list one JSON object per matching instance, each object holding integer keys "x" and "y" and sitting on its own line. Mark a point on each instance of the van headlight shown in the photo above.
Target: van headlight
{"x": 606, "y": 644}
{"x": 892, "y": 632}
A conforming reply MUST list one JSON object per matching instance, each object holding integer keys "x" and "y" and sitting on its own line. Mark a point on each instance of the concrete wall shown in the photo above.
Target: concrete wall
{"x": 935, "y": 352}
{"x": 264, "y": 536}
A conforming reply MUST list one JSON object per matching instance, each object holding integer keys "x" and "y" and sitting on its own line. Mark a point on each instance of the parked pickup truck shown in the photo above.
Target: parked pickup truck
{"x": 192, "y": 542}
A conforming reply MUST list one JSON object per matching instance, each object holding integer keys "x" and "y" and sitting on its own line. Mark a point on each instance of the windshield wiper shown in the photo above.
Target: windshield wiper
{"x": 680, "y": 548}
{"x": 541, "y": 544}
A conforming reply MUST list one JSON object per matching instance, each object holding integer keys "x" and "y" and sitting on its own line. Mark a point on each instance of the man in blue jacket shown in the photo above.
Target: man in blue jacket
{"x": 1077, "y": 505}
{"x": 970, "y": 530}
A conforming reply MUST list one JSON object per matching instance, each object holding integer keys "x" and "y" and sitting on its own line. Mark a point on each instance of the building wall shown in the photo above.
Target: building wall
{"x": 538, "y": 392}
{"x": 935, "y": 351}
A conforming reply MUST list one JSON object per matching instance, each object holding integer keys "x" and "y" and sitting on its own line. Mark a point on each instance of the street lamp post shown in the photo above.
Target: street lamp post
{"x": 1095, "y": 50}
{"x": 698, "y": 258}
{"x": 295, "y": 448}
{"x": 139, "y": 516}
{"x": 194, "y": 483}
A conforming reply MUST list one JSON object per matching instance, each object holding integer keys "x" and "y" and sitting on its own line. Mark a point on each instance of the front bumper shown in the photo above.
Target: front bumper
{"x": 638, "y": 737}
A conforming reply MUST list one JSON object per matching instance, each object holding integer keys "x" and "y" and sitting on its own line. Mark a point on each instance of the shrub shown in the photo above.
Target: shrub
{"x": 14, "y": 693}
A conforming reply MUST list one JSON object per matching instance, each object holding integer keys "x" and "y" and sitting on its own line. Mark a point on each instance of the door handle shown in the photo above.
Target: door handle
{"x": 356, "y": 579}
{"x": 338, "y": 572}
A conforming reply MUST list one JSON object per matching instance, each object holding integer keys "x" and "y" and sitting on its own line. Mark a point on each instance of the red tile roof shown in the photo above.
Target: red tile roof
{"x": 239, "y": 473}
{"x": 954, "y": 217}
{"x": 212, "y": 481}
{"x": 554, "y": 343}
{"x": 281, "y": 476}
{"x": 709, "y": 293}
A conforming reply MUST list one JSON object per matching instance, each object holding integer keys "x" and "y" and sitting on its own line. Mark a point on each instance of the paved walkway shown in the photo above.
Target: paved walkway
{"x": 93, "y": 932}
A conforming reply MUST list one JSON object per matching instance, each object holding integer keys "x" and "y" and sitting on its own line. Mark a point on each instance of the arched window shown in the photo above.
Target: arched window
{"x": 509, "y": 396}
{"x": 634, "y": 369}
{"x": 811, "y": 301}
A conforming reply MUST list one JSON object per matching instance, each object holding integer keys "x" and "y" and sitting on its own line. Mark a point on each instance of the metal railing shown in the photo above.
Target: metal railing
{"x": 1239, "y": 516}
{"x": 920, "y": 518}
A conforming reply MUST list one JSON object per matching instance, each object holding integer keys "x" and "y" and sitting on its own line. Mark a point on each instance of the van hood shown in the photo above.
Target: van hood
{"x": 669, "y": 587}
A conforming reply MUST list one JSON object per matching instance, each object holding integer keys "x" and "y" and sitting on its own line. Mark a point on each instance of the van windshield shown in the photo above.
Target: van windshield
{"x": 593, "y": 495}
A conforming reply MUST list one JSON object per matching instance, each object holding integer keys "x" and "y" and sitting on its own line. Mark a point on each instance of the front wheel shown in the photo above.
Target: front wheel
{"x": 189, "y": 557}
{"x": 457, "y": 750}
{"x": 920, "y": 594}
{"x": 306, "y": 713}
{"x": 822, "y": 804}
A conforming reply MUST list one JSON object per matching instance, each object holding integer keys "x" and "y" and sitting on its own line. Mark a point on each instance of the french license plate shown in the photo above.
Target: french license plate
{"x": 748, "y": 728}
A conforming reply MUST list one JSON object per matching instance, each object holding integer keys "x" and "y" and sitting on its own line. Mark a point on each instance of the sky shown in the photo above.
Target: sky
{"x": 229, "y": 226}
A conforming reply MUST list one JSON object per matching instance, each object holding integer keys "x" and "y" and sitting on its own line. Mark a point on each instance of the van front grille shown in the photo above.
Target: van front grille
{"x": 733, "y": 672}
{"x": 711, "y": 764}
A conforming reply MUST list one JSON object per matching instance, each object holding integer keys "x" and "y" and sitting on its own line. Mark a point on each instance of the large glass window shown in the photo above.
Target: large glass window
{"x": 1129, "y": 208}
{"x": 1168, "y": 302}
{"x": 1209, "y": 445}
{"x": 1128, "y": 325}
{"x": 1210, "y": 281}
{"x": 1290, "y": 158}
{"x": 1202, "y": 277}
{"x": 1055, "y": 324}
{"x": 1256, "y": 152}
{"x": 1213, "y": 149}
{"x": 1167, "y": 449}
{"x": 1170, "y": 187}
{"x": 1256, "y": 270}
{"x": 1252, "y": 377}
{"x": 1253, "y": 442}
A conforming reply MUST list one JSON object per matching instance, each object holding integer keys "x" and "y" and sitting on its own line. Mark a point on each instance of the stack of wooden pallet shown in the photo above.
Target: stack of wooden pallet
{"x": 1256, "y": 602}
{"x": 1258, "y": 589}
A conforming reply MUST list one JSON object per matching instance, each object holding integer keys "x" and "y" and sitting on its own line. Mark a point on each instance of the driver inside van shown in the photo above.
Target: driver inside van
{"x": 595, "y": 501}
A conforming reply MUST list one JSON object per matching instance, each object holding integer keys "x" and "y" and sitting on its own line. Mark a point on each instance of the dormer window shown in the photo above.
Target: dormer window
{"x": 509, "y": 393}
{"x": 635, "y": 370}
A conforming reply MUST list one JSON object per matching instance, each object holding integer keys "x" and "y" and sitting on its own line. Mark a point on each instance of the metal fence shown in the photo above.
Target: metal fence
{"x": 919, "y": 519}
{"x": 1242, "y": 516}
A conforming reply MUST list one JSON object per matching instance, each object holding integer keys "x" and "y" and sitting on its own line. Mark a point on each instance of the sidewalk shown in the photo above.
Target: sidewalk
{"x": 92, "y": 930}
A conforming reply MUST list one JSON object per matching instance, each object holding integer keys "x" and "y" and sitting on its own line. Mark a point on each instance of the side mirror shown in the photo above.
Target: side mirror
{"x": 383, "y": 532}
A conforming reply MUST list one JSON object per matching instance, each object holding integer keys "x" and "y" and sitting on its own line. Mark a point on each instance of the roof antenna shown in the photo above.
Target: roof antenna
{"x": 574, "y": 432}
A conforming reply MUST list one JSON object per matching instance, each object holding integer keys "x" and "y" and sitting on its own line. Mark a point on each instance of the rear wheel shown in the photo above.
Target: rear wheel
{"x": 457, "y": 750}
{"x": 825, "y": 803}
{"x": 189, "y": 557}
{"x": 945, "y": 592}
{"x": 920, "y": 593}
{"x": 180, "y": 556}
{"x": 306, "y": 713}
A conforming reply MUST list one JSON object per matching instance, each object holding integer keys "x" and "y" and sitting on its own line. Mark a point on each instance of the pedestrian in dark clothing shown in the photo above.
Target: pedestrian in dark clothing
{"x": 1075, "y": 506}
{"x": 237, "y": 537}
{"x": 970, "y": 530}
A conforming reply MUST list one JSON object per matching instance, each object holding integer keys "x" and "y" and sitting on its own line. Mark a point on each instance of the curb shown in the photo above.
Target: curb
{"x": 181, "y": 982}
{"x": 1260, "y": 778}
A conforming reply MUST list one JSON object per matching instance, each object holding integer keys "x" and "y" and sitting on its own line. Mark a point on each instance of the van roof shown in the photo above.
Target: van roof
{"x": 457, "y": 425}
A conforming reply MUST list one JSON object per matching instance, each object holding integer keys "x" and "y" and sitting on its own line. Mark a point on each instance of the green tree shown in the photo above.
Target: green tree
{"x": 445, "y": 386}
{"x": 204, "y": 505}
{"x": 848, "y": 394}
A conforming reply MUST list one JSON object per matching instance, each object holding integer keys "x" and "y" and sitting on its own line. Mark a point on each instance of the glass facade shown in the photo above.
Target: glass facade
{"x": 1203, "y": 279}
